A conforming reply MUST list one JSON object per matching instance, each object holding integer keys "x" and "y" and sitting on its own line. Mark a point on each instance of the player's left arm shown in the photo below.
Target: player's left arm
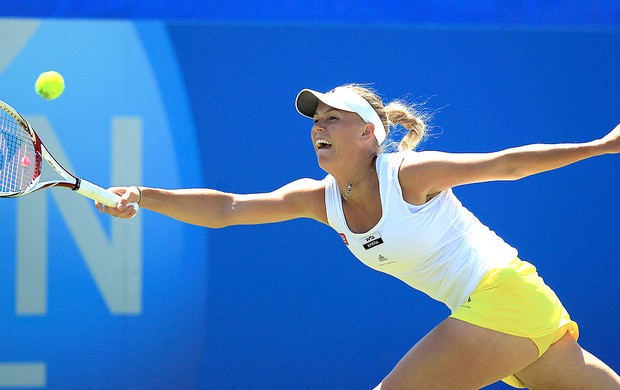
{"x": 427, "y": 173}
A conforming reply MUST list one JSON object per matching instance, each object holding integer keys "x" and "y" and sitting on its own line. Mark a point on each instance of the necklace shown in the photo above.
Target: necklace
{"x": 350, "y": 186}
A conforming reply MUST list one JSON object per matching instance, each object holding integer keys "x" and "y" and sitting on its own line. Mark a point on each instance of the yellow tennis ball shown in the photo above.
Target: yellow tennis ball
{"x": 50, "y": 85}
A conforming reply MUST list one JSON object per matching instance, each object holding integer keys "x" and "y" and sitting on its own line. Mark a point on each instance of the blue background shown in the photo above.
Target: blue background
{"x": 284, "y": 306}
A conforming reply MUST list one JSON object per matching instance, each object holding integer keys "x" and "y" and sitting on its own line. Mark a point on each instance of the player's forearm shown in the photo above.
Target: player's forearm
{"x": 531, "y": 159}
{"x": 204, "y": 207}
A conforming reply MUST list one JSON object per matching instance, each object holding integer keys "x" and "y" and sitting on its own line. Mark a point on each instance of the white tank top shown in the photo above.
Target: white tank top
{"x": 439, "y": 248}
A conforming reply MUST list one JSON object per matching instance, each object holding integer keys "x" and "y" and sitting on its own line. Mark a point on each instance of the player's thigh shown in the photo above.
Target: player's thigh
{"x": 459, "y": 355}
{"x": 565, "y": 365}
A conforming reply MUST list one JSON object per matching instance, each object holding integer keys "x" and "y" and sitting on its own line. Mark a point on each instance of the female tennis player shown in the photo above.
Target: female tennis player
{"x": 396, "y": 212}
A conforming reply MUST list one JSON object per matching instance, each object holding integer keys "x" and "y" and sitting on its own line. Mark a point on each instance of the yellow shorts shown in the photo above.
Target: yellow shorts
{"x": 516, "y": 301}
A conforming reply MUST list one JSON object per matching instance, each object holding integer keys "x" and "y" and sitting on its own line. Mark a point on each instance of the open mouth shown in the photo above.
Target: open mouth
{"x": 322, "y": 144}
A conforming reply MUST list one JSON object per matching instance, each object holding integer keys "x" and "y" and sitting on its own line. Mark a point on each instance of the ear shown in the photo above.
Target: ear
{"x": 369, "y": 131}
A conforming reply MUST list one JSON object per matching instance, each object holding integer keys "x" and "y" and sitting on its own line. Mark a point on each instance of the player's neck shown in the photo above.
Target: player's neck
{"x": 353, "y": 184}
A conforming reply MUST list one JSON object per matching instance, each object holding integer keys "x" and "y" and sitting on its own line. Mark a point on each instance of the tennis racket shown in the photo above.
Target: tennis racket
{"x": 21, "y": 155}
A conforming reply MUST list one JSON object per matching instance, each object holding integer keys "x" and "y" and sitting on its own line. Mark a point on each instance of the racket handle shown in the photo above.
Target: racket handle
{"x": 99, "y": 194}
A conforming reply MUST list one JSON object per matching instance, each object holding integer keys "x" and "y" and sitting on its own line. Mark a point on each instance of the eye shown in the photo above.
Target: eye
{"x": 332, "y": 118}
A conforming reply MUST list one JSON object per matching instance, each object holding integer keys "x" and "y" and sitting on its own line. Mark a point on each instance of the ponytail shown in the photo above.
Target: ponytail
{"x": 401, "y": 113}
{"x": 398, "y": 112}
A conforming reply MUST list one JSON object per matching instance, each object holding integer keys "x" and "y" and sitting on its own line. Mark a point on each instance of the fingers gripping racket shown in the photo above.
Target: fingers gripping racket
{"x": 21, "y": 155}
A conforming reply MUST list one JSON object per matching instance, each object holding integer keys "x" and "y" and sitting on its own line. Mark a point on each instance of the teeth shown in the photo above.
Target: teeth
{"x": 321, "y": 142}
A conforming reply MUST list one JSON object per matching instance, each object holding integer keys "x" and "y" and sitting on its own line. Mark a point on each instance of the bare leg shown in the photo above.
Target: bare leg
{"x": 565, "y": 365}
{"x": 458, "y": 355}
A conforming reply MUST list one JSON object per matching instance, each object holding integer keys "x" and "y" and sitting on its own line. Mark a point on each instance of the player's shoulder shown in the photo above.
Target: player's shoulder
{"x": 309, "y": 195}
{"x": 417, "y": 161}
{"x": 304, "y": 191}
{"x": 307, "y": 185}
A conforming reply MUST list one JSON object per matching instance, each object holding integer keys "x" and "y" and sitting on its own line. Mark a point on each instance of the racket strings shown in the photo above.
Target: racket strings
{"x": 18, "y": 156}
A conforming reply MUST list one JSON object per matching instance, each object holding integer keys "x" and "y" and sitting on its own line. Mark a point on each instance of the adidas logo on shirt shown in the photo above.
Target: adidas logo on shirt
{"x": 385, "y": 261}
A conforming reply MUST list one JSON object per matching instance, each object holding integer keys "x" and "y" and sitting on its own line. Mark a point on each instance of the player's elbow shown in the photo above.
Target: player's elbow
{"x": 510, "y": 168}
{"x": 217, "y": 213}
{"x": 228, "y": 213}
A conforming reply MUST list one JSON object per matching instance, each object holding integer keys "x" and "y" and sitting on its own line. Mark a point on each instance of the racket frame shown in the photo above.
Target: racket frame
{"x": 71, "y": 181}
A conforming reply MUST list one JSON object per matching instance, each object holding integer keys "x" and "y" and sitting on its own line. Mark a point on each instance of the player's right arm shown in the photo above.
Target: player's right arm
{"x": 303, "y": 198}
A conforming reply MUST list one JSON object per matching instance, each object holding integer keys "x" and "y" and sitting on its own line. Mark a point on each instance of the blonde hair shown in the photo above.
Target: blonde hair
{"x": 397, "y": 112}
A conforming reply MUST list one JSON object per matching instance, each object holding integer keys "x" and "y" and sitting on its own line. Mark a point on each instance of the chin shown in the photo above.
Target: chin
{"x": 324, "y": 161}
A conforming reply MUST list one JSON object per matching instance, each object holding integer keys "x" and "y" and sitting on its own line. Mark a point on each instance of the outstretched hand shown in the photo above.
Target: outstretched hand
{"x": 123, "y": 209}
{"x": 611, "y": 142}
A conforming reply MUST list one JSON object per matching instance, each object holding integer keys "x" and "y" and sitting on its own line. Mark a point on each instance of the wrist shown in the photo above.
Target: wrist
{"x": 139, "y": 193}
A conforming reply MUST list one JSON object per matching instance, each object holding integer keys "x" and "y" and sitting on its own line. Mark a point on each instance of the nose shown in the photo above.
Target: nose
{"x": 318, "y": 126}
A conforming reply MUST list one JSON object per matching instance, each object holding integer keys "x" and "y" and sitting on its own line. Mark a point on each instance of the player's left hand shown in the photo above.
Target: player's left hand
{"x": 611, "y": 142}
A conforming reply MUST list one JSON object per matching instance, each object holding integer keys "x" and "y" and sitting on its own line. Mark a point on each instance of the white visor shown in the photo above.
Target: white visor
{"x": 341, "y": 98}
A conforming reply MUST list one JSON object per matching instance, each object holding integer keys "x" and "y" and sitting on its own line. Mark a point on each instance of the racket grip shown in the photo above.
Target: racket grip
{"x": 99, "y": 194}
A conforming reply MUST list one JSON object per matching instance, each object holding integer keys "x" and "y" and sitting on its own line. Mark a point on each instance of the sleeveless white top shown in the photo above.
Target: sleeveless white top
{"x": 439, "y": 248}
